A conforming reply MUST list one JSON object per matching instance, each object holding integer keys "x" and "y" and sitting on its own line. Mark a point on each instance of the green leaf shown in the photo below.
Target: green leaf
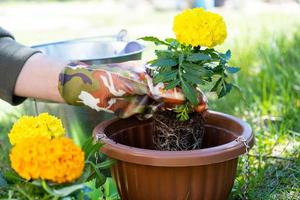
{"x": 232, "y": 70}
{"x": 197, "y": 70}
{"x": 181, "y": 59}
{"x": 214, "y": 54}
{"x": 90, "y": 147}
{"x": 87, "y": 145}
{"x": 62, "y": 192}
{"x": 151, "y": 61}
{"x": 165, "y": 62}
{"x": 85, "y": 175}
{"x": 111, "y": 189}
{"x": 218, "y": 69}
{"x": 95, "y": 193}
{"x": 228, "y": 55}
{"x": 182, "y": 112}
{"x": 225, "y": 90}
{"x": 106, "y": 164}
{"x": 172, "y": 84}
{"x": 169, "y": 40}
{"x": 225, "y": 57}
{"x": 173, "y": 42}
{"x": 95, "y": 149}
{"x": 198, "y": 57}
{"x": 189, "y": 92}
{"x": 100, "y": 179}
{"x": 193, "y": 79}
{"x": 215, "y": 87}
{"x": 153, "y": 39}
{"x": 12, "y": 177}
{"x": 165, "y": 76}
{"x": 164, "y": 54}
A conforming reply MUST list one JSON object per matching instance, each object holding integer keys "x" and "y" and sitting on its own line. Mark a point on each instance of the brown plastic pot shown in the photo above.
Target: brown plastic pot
{"x": 142, "y": 173}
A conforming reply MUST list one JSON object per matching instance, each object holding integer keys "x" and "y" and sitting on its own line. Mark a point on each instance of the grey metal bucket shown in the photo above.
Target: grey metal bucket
{"x": 80, "y": 121}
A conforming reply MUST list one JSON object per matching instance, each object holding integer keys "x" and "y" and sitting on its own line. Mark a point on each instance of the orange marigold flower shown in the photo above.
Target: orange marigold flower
{"x": 58, "y": 160}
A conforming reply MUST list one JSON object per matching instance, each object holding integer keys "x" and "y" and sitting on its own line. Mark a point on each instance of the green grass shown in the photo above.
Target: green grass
{"x": 266, "y": 45}
{"x": 270, "y": 82}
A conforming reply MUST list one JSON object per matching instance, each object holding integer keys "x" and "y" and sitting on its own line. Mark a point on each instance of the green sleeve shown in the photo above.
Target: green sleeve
{"x": 12, "y": 58}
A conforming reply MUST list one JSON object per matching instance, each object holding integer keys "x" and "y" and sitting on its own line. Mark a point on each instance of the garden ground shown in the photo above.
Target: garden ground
{"x": 265, "y": 43}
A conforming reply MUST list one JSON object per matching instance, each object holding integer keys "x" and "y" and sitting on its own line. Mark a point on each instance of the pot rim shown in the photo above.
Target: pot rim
{"x": 211, "y": 155}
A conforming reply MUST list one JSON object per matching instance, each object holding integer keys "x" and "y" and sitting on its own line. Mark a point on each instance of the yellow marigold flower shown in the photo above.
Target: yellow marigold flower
{"x": 58, "y": 160}
{"x": 198, "y": 27}
{"x": 42, "y": 125}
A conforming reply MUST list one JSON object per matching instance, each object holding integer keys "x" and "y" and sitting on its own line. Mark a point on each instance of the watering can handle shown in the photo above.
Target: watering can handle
{"x": 122, "y": 36}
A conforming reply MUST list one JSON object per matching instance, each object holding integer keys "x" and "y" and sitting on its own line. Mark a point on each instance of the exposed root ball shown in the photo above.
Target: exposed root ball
{"x": 171, "y": 134}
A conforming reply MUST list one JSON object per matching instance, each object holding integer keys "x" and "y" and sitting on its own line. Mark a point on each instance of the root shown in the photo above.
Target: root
{"x": 173, "y": 135}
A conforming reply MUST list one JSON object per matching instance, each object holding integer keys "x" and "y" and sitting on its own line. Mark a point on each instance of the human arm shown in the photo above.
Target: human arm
{"x": 13, "y": 56}
{"x": 39, "y": 78}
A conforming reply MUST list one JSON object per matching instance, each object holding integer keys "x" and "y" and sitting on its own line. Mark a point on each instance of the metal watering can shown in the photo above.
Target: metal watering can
{"x": 80, "y": 121}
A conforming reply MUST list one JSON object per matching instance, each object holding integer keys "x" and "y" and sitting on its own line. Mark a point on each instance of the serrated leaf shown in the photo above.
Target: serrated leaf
{"x": 167, "y": 62}
{"x": 153, "y": 39}
{"x": 189, "y": 92}
{"x": 172, "y": 84}
{"x": 198, "y": 57}
{"x": 228, "y": 55}
{"x": 212, "y": 53}
{"x": 225, "y": 90}
{"x": 225, "y": 57}
{"x": 151, "y": 61}
{"x": 165, "y": 76}
{"x": 173, "y": 42}
{"x": 215, "y": 87}
{"x": 218, "y": 69}
{"x": 169, "y": 40}
{"x": 164, "y": 54}
{"x": 193, "y": 79}
{"x": 199, "y": 71}
{"x": 232, "y": 70}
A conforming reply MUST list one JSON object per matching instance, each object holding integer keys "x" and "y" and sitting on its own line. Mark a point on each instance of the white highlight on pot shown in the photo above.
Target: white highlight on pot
{"x": 90, "y": 101}
{"x": 110, "y": 85}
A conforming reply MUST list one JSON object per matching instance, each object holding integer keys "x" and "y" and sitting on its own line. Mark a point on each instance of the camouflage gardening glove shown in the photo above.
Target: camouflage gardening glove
{"x": 123, "y": 90}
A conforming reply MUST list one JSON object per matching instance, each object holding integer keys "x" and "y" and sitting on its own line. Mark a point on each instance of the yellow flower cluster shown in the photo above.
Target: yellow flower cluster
{"x": 198, "y": 27}
{"x": 58, "y": 160}
{"x": 42, "y": 125}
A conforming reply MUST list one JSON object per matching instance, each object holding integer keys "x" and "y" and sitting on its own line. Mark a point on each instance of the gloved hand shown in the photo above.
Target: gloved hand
{"x": 124, "y": 89}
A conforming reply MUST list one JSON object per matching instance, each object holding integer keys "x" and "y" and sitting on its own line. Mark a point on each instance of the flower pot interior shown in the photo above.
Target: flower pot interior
{"x": 130, "y": 140}
{"x": 213, "y": 136}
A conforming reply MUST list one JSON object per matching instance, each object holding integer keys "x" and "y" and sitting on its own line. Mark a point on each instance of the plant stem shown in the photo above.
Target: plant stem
{"x": 23, "y": 193}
